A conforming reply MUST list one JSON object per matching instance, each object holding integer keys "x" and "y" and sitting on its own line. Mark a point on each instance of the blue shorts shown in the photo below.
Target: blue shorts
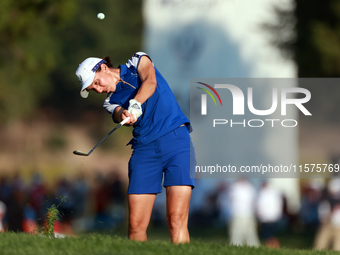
{"x": 171, "y": 155}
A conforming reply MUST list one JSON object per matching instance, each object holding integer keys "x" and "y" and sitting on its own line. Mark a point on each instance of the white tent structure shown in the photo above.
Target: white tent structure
{"x": 219, "y": 39}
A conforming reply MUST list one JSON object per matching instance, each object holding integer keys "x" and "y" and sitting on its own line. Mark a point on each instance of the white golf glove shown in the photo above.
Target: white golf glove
{"x": 135, "y": 108}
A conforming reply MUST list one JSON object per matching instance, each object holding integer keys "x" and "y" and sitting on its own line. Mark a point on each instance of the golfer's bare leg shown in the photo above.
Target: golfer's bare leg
{"x": 177, "y": 212}
{"x": 140, "y": 207}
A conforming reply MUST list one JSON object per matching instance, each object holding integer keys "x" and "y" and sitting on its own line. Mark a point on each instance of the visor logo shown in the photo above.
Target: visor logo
{"x": 80, "y": 79}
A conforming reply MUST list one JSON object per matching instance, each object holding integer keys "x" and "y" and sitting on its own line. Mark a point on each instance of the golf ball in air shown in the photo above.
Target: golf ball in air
{"x": 100, "y": 15}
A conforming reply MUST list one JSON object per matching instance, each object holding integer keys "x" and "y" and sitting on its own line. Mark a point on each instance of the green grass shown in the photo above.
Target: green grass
{"x": 12, "y": 243}
{"x": 288, "y": 239}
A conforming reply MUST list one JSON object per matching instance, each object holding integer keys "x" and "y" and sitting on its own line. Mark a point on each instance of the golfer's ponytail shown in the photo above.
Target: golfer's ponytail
{"x": 108, "y": 63}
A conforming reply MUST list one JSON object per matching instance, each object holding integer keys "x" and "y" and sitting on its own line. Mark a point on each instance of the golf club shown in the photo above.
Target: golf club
{"x": 80, "y": 153}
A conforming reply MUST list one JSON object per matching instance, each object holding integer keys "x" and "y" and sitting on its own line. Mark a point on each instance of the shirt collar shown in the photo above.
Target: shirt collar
{"x": 123, "y": 70}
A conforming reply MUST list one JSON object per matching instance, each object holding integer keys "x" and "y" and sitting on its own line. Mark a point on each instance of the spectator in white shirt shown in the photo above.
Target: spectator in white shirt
{"x": 269, "y": 212}
{"x": 243, "y": 227}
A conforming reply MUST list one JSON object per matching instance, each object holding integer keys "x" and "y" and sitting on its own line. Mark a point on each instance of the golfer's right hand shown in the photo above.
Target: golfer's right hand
{"x": 126, "y": 114}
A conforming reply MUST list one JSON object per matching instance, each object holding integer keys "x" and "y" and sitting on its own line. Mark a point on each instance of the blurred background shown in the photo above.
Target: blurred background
{"x": 43, "y": 118}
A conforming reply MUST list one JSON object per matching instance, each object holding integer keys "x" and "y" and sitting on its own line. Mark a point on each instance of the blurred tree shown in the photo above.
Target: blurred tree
{"x": 43, "y": 41}
{"x": 318, "y": 38}
{"x": 309, "y": 34}
{"x": 28, "y": 50}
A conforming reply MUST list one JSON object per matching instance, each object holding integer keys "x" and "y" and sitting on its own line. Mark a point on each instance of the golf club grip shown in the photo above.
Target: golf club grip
{"x": 124, "y": 121}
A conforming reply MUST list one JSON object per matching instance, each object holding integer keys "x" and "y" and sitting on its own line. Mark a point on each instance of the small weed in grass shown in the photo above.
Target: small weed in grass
{"x": 53, "y": 214}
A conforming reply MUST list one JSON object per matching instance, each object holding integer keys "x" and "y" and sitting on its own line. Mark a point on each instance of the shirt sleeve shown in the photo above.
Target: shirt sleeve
{"x": 133, "y": 62}
{"x": 109, "y": 106}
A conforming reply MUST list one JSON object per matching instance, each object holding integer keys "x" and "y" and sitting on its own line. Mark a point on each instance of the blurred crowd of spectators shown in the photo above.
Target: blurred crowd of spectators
{"x": 254, "y": 213}
{"x": 84, "y": 205}
{"x": 251, "y": 213}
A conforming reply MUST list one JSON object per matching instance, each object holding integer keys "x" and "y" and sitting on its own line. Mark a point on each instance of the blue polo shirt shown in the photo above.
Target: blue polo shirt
{"x": 161, "y": 112}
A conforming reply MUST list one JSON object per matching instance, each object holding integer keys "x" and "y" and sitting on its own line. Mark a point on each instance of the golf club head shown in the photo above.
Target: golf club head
{"x": 80, "y": 153}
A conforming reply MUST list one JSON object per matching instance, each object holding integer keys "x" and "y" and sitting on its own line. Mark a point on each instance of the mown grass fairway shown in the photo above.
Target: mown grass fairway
{"x": 11, "y": 243}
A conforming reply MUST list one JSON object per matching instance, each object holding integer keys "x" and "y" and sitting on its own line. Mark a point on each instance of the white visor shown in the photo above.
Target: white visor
{"x": 86, "y": 72}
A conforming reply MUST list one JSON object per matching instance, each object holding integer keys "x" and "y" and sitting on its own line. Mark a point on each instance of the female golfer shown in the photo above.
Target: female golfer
{"x": 161, "y": 141}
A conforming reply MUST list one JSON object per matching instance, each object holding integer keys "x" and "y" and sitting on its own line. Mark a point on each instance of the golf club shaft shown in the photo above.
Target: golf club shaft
{"x": 116, "y": 127}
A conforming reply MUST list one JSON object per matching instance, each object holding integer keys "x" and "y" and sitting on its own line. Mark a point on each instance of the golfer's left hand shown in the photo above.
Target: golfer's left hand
{"x": 135, "y": 108}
